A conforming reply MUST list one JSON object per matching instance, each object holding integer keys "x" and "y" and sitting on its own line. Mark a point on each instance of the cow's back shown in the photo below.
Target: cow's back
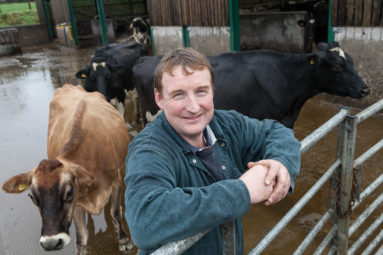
{"x": 101, "y": 135}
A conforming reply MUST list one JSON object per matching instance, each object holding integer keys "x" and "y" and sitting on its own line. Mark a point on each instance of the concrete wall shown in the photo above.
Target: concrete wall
{"x": 274, "y": 31}
{"x": 208, "y": 40}
{"x": 166, "y": 38}
{"x": 32, "y": 35}
{"x": 365, "y": 46}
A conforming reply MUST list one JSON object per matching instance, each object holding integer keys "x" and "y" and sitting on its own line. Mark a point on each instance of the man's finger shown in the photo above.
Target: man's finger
{"x": 272, "y": 174}
{"x": 279, "y": 192}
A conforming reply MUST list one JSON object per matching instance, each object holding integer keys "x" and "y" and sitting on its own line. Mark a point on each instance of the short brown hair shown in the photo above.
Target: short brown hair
{"x": 185, "y": 57}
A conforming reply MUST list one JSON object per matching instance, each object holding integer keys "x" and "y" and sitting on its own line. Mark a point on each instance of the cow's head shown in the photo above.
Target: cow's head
{"x": 141, "y": 32}
{"x": 55, "y": 186}
{"x": 102, "y": 76}
{"x": 97, "y": 76}
{"x": 335, "y": 72}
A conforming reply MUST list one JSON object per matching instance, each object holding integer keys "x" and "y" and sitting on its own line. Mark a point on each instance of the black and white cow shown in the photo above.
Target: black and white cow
{"x": 266, "y": 84}
{"x": 110, "y": 69}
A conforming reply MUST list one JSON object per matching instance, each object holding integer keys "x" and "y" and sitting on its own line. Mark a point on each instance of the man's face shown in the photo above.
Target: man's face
{"x": 187, "y": 101}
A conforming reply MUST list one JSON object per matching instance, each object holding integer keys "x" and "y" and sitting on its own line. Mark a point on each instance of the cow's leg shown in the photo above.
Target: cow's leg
{"x": 81, "y": 237}
{"x": 132, "y": 96}
{"x": 124, "y": 244}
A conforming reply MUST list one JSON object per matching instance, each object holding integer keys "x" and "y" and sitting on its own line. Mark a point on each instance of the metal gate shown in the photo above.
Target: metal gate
{"x": 344, "y": 195}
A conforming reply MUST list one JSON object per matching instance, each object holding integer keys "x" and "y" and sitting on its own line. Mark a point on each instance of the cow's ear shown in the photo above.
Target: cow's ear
{"x": 83, "y": 73}
{"x": 302, "y": 23}
{"x": 18, "y": 183}
{"x": 84, "y": 178}
{"x": 312, "y": 59}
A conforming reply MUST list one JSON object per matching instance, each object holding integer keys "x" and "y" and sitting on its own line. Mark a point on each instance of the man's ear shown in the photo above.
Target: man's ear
{"x": 158, "y": 97}
{"x": 18, "y": 183}
{"x": 84, "y": 178}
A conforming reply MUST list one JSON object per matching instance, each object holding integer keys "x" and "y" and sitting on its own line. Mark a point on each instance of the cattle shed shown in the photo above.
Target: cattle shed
{"x": 358, "y": 27}
{"x": 216, "y": 26}
{"x": 80, "y": 22}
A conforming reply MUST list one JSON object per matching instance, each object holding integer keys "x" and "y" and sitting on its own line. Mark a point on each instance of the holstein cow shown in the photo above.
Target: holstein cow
{"x": 266, "y": 84}
{"x": 110, "y": 69}
{"x": 87, "y": 146}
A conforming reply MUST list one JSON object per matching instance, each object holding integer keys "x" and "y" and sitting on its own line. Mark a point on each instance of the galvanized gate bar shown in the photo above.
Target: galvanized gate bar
{"x": 323, "y": 130}
{"x": 325, "y": 242}
{"x": 332, "y": 251}
{"x": 367, "y": 191}
{"x": 373, "y": 244}
{"x": 365, "y": 215}
{"x": 302, "y": 247}
{"x": 368, "y": 154}
{"x": 365, "y": 235}
{"x": 369, "y": 111}
{"x": 294, "y": 210}
{"x": 343, "y": 210}
{"x": 380, "y": 251}
{"x": 178, "y": 247}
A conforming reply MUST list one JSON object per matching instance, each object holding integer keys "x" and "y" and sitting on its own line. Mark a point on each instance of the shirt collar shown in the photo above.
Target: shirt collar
{"x": 209, "y": 137}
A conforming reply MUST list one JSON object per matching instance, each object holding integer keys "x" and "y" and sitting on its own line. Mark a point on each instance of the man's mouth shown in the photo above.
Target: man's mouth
{"x": 192, "y": 118}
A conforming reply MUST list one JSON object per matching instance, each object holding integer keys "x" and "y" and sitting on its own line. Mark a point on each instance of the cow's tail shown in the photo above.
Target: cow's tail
{"x": 75, "y": 134}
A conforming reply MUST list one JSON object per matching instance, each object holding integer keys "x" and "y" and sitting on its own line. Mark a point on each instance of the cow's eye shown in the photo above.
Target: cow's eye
{"x": 68, "y": 195}
{"x": 34, "y": 200}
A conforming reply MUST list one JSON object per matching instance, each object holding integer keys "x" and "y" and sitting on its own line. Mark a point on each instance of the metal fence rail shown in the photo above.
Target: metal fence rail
{"x": 343, "y": 170}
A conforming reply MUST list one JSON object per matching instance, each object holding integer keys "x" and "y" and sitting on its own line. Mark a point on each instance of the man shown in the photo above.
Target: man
{"x": 186, "y": 170}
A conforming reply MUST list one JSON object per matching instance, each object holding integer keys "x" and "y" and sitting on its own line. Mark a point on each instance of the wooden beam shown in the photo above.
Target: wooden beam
{"x": 334, "y": 13}
{"x": 350, "y": 11}
{"x": 376, "y": 12}
{"x": 358, "y": 13}
{"x": 367, "y": 13}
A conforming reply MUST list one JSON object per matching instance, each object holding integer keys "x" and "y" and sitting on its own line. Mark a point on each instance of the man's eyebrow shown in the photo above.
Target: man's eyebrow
{"x": 204, "y": 87}
{"x": 173, "y": 92}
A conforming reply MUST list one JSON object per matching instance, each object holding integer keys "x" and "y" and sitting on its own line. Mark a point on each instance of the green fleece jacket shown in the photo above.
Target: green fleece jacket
{"x": 170, "y": 195}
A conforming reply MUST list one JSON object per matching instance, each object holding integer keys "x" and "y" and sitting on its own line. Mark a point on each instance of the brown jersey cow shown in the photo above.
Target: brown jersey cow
{"x": 87, "y": 146}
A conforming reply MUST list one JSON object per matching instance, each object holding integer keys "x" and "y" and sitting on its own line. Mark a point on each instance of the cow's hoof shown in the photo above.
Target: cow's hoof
{"x": 80, "y": 249}
{"x": 125, "y": 246}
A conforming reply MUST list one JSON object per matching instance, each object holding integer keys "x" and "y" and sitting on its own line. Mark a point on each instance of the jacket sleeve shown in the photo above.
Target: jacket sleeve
{"x": 266, "y": 139}
{"x": 159, "y": 212}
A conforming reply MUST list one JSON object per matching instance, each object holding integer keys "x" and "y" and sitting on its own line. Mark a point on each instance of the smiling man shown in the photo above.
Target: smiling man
{"x": 186, "y": 171}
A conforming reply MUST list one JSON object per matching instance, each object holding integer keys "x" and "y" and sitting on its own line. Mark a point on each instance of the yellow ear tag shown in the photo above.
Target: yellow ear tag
{"x": 312, "y": 61}
{"x": 83, "y": 75}
{"x": 22, "y": 187}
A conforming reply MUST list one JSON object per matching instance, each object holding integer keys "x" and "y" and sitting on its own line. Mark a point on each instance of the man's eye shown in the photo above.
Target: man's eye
{"x": 202, "y": 92}
{"x": 178, "y": 96}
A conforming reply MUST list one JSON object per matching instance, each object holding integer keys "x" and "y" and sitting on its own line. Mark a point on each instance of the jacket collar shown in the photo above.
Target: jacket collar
{"x": 163, "y": 123}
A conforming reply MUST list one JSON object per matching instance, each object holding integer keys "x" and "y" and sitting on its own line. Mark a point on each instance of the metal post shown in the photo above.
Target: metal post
{"x": 103, "y": 27}
{"x": 344, "y": 207}
{"x": 152, "y": 40}
{"x": 330, "y": 33}
{"x": 185, "y": 37}
{"x": 73, "y": 22}
{"x": 234, "y": 25}
{"x": 333, "y": 194}
{"x": 47, "y": 20}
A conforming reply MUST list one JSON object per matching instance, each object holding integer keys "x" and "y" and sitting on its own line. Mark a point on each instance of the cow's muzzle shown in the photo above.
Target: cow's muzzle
{"x": 55, "y": 242}
{"x": 365, "y": 91}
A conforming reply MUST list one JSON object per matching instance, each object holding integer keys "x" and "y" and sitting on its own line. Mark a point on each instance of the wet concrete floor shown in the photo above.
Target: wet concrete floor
{"x": 27, "y": 84}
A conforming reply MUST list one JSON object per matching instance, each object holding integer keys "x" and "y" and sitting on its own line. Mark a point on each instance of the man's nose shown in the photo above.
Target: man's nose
{"x": 192, "y": 104}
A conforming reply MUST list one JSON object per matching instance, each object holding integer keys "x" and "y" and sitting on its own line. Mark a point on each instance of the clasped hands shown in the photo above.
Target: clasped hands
{"x": 267, "y": 180}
